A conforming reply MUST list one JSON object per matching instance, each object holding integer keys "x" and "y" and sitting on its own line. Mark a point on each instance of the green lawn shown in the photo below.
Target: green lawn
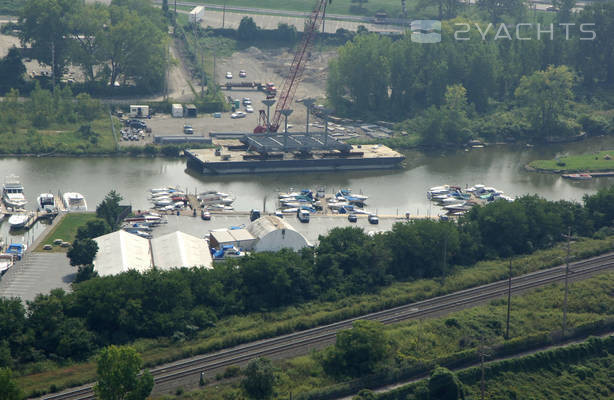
{"x": 63, "y": 138}
{"x": 66, "y": 230}
{"x": 601, "y": 161}
{"x": 392, "y": 7}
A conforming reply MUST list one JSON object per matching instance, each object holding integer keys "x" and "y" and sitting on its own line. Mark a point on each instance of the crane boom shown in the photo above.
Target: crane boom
{"x": 298, "y": 63}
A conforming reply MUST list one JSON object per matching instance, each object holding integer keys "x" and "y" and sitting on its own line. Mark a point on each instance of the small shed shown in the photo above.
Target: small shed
{"x": 239, "y": 238}
{"x": 191, "y": 111}
{"x": 137, "y": 111}
{"x": 177, "y": 111}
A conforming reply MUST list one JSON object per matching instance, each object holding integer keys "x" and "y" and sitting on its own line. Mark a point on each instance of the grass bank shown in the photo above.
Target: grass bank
{"x": 599, "y": 161}
{"x": 60, "y": 139}
{"x": 392, "y": 7}
{"x": 66, "y": 230}
{"x": 417, "y": 346}
{"x": 241, "y": 329}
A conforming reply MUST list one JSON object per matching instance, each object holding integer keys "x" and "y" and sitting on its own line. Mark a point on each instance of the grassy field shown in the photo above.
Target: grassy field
{"x": 392, "y": 7}
{"x": 66, "y": 230}
{"x": 601, "y": 161}
{"x": 430, "y": 340}
{"x": 590, "y": 378}
{"x": 59, "y": 139}
{"x": 241, "y": 329}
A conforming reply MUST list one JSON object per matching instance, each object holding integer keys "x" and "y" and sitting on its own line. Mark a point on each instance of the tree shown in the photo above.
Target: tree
{"x": 87, "y": 27}
{"x": 110, "y": 210}
{"x": 357, "y": 351}
{"x": 82, "y": 252}
{"x": 85, "y": 272}
{"x": 259, "y": 379}
{"x": 497, "y": 8}
{"x": 445, "y": 385}
{"x": 8, "y": 386}
{"x": 117, "y": 375}
{"x": 45, "y": 27}
{"x": 248, "y": 30}
{"x": 545, "y": 96}
{"x": 11, "y": 70}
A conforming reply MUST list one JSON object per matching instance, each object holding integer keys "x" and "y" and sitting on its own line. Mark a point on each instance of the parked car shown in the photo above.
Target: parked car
{"x": 205, "y": 215}
{"x": 249, "y": 109}
{"x": 242, "y": 74}
{"x": 373, "y": 219}
{"x": 254, "y": 215}
{"x": 228, "y": 75}
{"x": 188, "y": 130}
{"x": 136, "y": 124}
{"x": 240, "y": 114}
{"x": 247, "y": 101}
{"x": 352, "y": 217}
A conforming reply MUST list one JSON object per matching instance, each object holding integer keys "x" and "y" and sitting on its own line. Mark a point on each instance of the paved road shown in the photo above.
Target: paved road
{"x": 37, "y": 273}
{"x": 319, "y": 225}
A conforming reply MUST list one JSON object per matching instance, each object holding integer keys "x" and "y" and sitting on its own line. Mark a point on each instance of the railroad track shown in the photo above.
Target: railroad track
{"x": 303, "y": 341}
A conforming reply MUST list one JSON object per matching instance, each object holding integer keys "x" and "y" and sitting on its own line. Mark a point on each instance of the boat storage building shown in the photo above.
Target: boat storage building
{"x": 178, "y": 249}
{"x": 273, "y": 234}
{"x": 122, "y": 251}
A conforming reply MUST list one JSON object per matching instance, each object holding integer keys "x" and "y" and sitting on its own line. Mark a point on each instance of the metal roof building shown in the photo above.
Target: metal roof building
{"x": 241, "y": 238}
{"x": 121, "y": 251}
{"x": 273, "y": 234}
{"x": 178, "y": 249}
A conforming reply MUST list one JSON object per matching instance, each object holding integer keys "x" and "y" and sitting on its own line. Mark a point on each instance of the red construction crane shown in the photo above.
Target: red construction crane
{"x": 296, "y": 69}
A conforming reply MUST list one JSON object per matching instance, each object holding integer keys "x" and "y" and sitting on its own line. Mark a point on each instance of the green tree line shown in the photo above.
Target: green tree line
{"x": 124, "y": 42}
{"x": 527, "y": 83}
{"x": 179, "y": 302}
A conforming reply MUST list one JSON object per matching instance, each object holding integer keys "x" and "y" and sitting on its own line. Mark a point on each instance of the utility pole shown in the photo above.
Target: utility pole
{"x": 509, "y": 303}
{"x": 224, "y": 15}
{"x": 482, "y": 383}
{"x": 202, "y": 73}
{"x": 53, "y": 65}
{"x": 566, "y": 283}
{"x": 445, "y": 254}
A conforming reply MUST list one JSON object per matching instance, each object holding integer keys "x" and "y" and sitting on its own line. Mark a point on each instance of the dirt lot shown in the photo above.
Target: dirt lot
{"x": 272, "y": 65}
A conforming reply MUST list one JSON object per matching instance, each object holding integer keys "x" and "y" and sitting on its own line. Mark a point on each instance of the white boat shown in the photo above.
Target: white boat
{"x": 6, "y": 262}
{"x": 12, "y": 193}
{"x": 46, "y": 202}
{"x": 163, "y": 202}
{"x": 74, "y": 202}
{"x": 19, "y": 221}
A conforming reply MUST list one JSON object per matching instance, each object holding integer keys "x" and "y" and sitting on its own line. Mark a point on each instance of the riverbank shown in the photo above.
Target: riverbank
{"x": 602, "y": 161}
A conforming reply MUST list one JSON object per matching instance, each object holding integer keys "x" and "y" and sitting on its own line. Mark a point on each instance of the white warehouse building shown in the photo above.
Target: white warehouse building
{"x": 273, "y": 234}
{"x": 178, "y": 249}
{"x": 122, "y": 251}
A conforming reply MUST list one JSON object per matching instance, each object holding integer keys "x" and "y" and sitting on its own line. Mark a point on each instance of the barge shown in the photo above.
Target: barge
{"x": 289, "y": 153}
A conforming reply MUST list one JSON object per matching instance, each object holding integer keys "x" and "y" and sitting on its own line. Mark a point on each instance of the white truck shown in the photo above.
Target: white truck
{"x": 196, "y": 15}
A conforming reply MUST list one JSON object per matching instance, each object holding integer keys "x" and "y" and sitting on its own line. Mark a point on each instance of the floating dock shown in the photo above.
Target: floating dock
{"x": 289, "y": 153}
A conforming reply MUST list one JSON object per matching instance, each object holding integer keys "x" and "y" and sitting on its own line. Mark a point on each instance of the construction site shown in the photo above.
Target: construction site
{"x": 270, "y": 146}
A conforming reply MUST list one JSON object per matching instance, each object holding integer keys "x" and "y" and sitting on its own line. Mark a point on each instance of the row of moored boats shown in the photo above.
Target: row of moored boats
{"x": 172, "y": 198}
{"x": 15, "y": 201}
{"x": 305, "y": 200}
{"x": 457, "y": 201}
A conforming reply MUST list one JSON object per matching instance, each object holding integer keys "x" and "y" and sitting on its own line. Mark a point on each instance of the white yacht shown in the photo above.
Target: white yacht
{"x": 74, "y": 202}
{"x": 12, "y": 193}
{"x": 46, "y": 202}
{"x": 19, "y": 221}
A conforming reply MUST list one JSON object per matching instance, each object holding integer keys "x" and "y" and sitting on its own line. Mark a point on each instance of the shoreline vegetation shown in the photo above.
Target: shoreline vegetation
{"x": 602, "y": 161}
{"x": 234, "y": 330}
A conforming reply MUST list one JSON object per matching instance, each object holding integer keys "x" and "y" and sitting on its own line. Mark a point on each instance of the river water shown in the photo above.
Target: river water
{"x": 390, "y": 192}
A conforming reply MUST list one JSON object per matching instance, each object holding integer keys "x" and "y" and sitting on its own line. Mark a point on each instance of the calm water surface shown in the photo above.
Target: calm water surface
{"x": 389, "y": 192}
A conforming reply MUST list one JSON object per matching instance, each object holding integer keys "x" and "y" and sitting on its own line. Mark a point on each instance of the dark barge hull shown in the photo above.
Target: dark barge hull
{"x": 277, "y": 166}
